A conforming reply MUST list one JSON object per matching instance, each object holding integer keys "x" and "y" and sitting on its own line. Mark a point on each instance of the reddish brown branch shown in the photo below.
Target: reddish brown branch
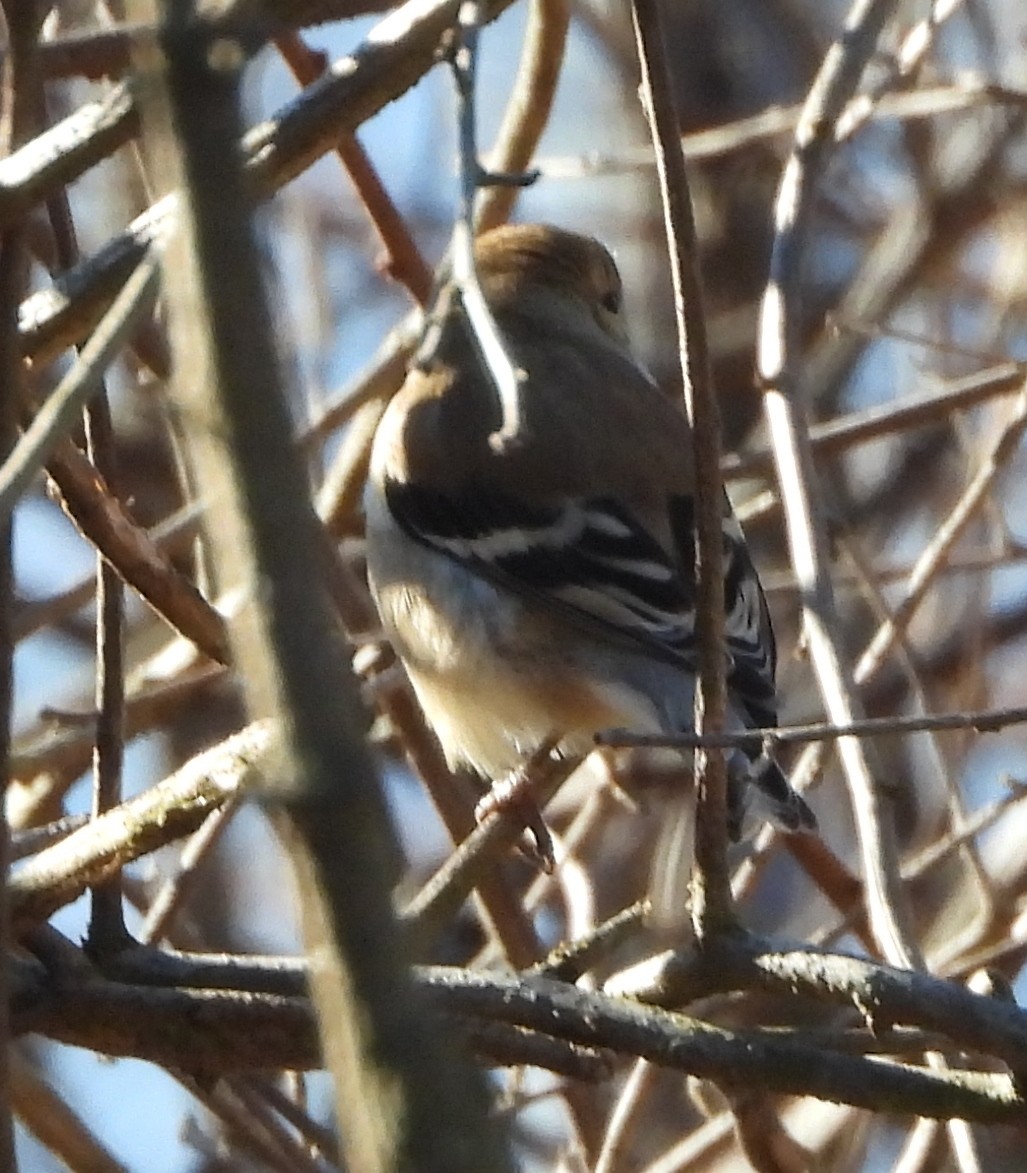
{"x": 102, "y": 520}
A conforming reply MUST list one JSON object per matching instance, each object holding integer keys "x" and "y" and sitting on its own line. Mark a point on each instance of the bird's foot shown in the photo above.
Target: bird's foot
{"x": 512, "y": 794}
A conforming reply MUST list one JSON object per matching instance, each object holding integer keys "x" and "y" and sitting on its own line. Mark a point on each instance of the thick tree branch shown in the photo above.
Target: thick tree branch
{"x": 389, "y": 1063}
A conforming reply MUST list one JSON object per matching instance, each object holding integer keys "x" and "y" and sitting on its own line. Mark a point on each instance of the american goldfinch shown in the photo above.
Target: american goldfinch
{"x": 546, "y": 588}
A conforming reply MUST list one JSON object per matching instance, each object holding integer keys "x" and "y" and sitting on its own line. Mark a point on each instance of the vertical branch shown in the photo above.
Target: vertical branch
{"x": 391, "y": 1070}
{"x": 778, "y": 357}
{"x": 106, "y": 932}
{"x": 712, "y": 908}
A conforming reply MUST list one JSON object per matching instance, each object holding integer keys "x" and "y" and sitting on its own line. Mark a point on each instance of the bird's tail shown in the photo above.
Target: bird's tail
{"x": 758, "y": 791}
{"x": 763, "y": 790}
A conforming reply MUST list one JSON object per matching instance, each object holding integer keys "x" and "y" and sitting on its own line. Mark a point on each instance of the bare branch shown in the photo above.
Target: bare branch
{"x": 711, "y": 886}
{"x": 168, "y": 811}
{"x": 984, "y": 721}
{"x": 389, "y": 1063}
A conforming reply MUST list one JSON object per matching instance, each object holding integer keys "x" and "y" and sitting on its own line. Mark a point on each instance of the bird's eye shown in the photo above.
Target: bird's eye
{"x": 611, "y": 301}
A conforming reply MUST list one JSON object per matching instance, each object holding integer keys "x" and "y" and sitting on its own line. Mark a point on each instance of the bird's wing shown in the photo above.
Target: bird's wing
{"x": 747, "y": 630}
{"x": 592, "y": 560}
{"x": 589, "y": 559}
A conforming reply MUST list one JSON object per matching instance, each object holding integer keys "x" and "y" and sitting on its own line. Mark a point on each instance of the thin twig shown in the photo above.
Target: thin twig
{"x": 741, "y": 134}
{"x": 36, "y": 839}
{"x": 434, "y": 906}
{"x": 977, "y": 880}
{"x": 711, "y": 886}
{"x": 887, "y": 419}
{"x": 177, "y": 888}
{"x": 948, "y": 532}
{"x": 320, "y": 1138}
{"x": 342, "y": 491}
{"x": 254, "y": 1104}
{"x": 624, "y": 1116}
{"x": 63, "y": 753}
{"x": 983, "y": 720}
{"x": 241, "y": 1127}
{"x": 173, "y": 535}
{"x": 106, "y": 932}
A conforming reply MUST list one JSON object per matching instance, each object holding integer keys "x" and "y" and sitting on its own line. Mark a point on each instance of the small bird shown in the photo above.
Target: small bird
{"x": 546, "y": 588}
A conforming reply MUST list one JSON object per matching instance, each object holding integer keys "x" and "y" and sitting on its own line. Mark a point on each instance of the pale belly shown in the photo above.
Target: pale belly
{"x": 496, "y": 679}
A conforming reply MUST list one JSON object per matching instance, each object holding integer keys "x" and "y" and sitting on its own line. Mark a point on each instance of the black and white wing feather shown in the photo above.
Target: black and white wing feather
{"x": 592, "y": 560}
{"x": 589, "y": 559}
{"x": 747, "y": 630}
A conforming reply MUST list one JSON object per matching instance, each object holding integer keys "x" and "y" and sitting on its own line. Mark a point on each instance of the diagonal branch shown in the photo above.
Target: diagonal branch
{"x": 778, "y": 359}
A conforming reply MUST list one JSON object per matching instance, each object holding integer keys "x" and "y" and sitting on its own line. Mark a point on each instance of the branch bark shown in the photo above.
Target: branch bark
{"x": 388, "y": 1061}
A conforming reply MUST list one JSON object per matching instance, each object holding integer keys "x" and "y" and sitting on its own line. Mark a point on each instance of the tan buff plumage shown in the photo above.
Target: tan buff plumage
{"x": 546, "y": 589}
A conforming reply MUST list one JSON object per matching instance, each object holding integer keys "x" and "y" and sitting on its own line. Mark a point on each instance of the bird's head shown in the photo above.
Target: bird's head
{"x": 559, "y": 273}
